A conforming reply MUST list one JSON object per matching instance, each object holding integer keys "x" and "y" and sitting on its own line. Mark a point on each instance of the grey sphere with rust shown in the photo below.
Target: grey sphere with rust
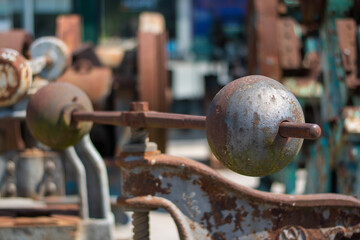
{"x": 56, "y": 50}
{"x": 243, "y": 121}
{"x": 48, "y": 115}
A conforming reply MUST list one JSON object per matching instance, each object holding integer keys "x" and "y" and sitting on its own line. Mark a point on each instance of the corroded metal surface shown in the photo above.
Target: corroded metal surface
{"x": 170, "y": 120}
{"x": 75, "y": 117}
{"x": 247, "y": 113}
{"x": 49, "y": 115}
{"x": 54, "y": 49}
{"x": 304, "y": 87}
{"x": 214, "y": 208}
{"x": 95, "y": 81}
{"x": 16, "y": 39}
{"x": 153, "y": 83}
{"x": 299, "y": 130}
{"x": 40, "y": 228}
{"x": 69, "y": 30}
{"x": 15, "y": 76}
{"x": 142, "y": 119}
{"x": 263, "y": 40}
{"x": 347, "y": 37}
{"x": 289, "y": 43}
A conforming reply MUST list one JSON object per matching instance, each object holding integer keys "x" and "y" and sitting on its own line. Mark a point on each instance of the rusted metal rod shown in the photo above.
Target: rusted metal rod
{"x": 142, "y": 119}
{"x": 38, "y": 64}
{"x": 299, "y": 130}
{"x": 171, "y": 120}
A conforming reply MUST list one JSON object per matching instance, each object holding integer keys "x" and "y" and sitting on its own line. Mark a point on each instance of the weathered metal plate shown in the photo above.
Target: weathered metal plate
{"x": 266, "y": 53}
{"x": 11, "y": 138}
{"x": 214, "y": 208}
{"x": 303, "y": 87}
{"x": 153, "y": 83}
{"x": 289, "y": 43}
{"x": 69, "y": 30}
{"x": 50, "y": 122}
{"x": 346, "y": 33}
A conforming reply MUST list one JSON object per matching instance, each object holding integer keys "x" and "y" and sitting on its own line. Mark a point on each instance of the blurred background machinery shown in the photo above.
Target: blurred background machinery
{"x": 200, "y": 46}
{"x": 314, "y": 53}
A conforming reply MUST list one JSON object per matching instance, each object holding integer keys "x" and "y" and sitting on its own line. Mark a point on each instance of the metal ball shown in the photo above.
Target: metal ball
{"x": 15, "y": 77}
{"x": 243, "y": 121}
{"x": 48, "y": 115}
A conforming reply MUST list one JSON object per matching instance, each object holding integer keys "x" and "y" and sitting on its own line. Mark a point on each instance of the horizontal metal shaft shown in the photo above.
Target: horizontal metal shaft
{"x": 299, "y": 130}
{"x": 142, "y": 119}
{"x": 151, "y": 119}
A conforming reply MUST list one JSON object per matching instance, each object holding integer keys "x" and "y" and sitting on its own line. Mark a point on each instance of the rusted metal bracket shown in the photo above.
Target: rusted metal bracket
{"x": 204, "y": 205}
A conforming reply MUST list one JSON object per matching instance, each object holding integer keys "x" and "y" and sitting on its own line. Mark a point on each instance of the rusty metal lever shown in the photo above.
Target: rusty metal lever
{"x": 299, "y": 130}
{"x": 152, "y": 119}
{"x": 253, "y": 124}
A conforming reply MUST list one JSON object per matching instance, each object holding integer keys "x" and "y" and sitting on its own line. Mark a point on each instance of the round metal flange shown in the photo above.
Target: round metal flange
{"x": 242, "y": 126}
{"x": 49, "y": 121}
{"x": 15, "y": 76}
{"x": 56, "y": 50}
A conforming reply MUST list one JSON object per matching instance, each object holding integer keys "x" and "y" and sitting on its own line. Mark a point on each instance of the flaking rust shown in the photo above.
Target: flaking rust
{"x": 215, "y": 208}
{"x": 15, "y": 77}
{"x": 236, "y": 119}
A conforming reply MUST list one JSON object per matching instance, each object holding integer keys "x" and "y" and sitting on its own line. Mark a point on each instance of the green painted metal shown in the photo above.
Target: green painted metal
{"x": 332, "y": 162}
{"x": 334, "y": 165}
{"x": 90, "y": 11}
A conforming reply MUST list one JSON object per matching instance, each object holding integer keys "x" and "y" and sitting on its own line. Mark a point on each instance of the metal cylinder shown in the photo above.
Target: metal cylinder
{"x": 29, "y": 172}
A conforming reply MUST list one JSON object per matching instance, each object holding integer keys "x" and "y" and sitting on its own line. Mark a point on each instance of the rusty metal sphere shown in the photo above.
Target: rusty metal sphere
{"x": 243, "y": 121}
{"x": 15, "y": 76}
{"x": 48, "y": 115}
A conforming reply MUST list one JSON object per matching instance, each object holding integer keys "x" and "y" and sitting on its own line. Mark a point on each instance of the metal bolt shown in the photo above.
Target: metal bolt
{"x": 141, "y": 225}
